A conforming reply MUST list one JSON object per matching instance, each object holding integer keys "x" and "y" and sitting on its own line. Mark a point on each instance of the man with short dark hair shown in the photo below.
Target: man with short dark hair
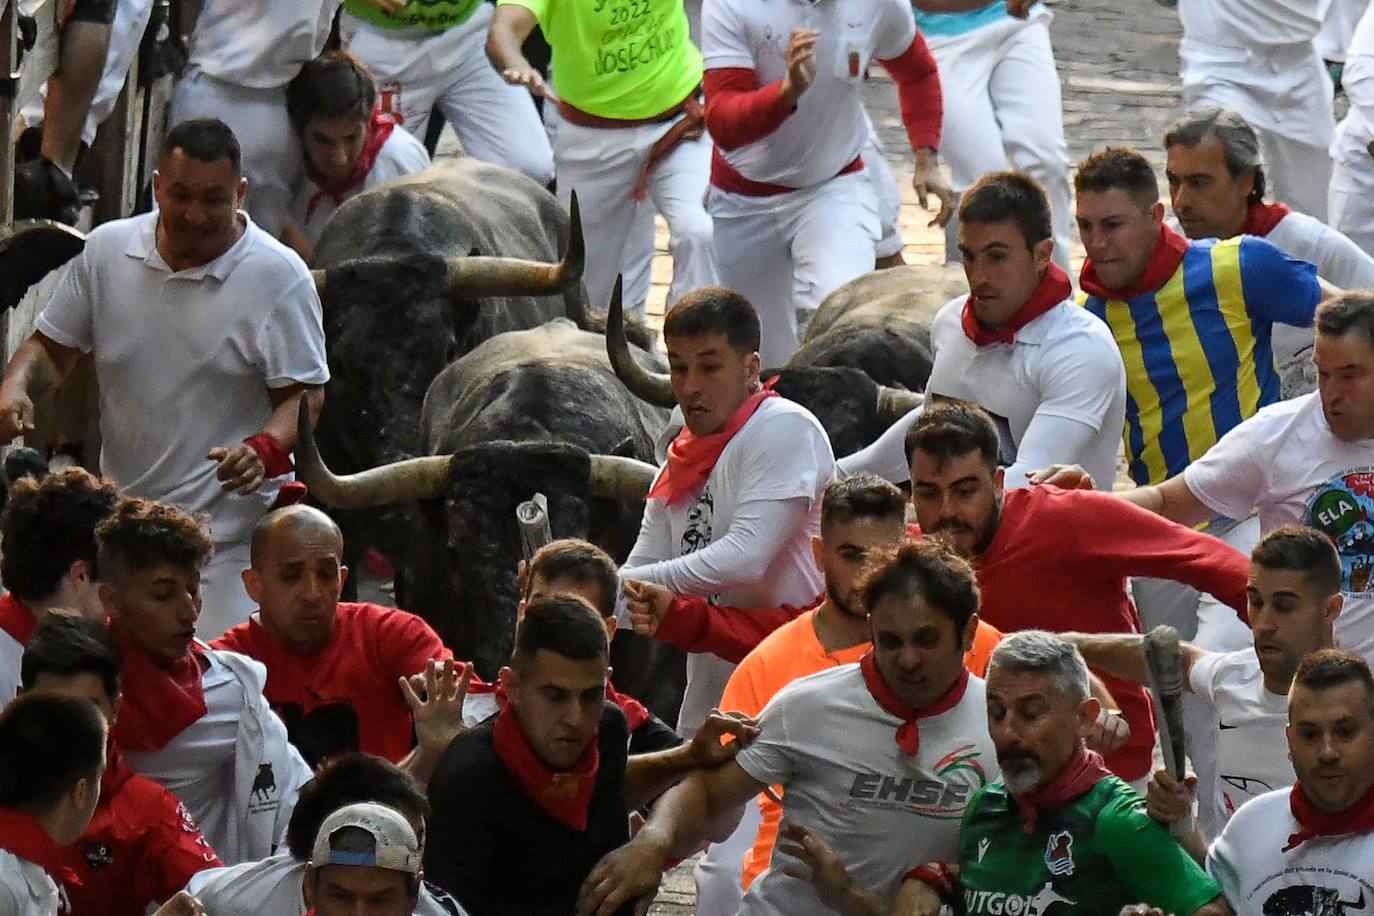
{"x": 47, "y": 557}
{"x": 192, "y": 718}
{"x": 141, "y": 845}
{"x": 546, "y": 784}
{"x": 878, "y": 757}
{"x": 52, "y": 755}
{"x": 205, "y": 332}
{"x": 366, "y": 855}
{"x": 1018, "y": 346}
{"x": 349, "y": 144}
{"x": 1294, "y": 597}
{"x": 1307, "y": 849}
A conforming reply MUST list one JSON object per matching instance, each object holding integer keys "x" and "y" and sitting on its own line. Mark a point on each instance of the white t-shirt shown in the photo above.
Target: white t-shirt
{"x": 833, "y": 748}
{"x": 1252, "y": 22}
{"x": 272, "y": 887}
{"x": 1252, "y": 751}
{"x": 1285, "y": 461}
{"x": 1323, "y": 875}
{"x": 400, "y": 155}
{"x": 260, "y": 44}
{"x": 778, "y": 464}
{"x": 184, "y": 360}
{"x": 26, "y": 889}
{"x": 1063, "y": 365}
{"x": 828, "y": 129}
{"x": 11, "y": 654}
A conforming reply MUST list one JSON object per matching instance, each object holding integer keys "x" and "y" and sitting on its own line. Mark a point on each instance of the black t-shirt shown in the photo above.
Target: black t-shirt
{"x": 496, "y": 851}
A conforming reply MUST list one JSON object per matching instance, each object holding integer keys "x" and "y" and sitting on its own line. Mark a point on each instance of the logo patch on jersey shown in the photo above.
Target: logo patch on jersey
{"x": 1342, "y": 508}
{"x": 998, "y": 903}
{"x": 983, "y": 845}
{"x": 1059, "y": 854}
{"x": 98, "y": 856}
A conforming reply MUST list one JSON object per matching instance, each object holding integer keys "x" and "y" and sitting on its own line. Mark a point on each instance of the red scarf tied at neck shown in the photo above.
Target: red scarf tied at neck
{"x": 1164, "y": 260}
{"x": 1082, "y": 771}
{"x": 1261, "y": 218}
{"x": 1053, "y": 289}
{"x": 22, "y": 835}
{"x": 158, "y": 703}
{"x": 1358, "y": 818}
{"x": 379, "y": 128}
{"x": 909, "y": 732}
{"x": 564, "y": 795}
{"x": 691, "y": 457}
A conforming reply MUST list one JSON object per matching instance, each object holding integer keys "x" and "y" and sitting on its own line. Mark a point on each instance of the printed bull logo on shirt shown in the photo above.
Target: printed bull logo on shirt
{"x": 1343, "y": 508}
{"x": 1310, "y": 900}
{"x": 325, "y": 732}
{"x": 265, "y": 783}
{"x": 957, "y": 776}
{"x": 697, "y": 535}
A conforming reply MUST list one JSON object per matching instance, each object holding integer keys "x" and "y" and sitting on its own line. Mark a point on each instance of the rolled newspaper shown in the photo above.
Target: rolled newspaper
{"x": 532, "y": 517}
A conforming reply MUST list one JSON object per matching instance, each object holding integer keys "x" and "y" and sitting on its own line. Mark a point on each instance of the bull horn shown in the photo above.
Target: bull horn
{"x": 319, "y": 276}
{"x": 473, "y": 278}
{"x": 643, "y": 384}
{"x": 895, "y": 403}
{"x": 614, "y": 477}
{"x": 402, "y": 481}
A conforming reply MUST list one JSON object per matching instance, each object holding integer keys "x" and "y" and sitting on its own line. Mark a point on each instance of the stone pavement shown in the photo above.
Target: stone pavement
{"x": 1118, "y": 62}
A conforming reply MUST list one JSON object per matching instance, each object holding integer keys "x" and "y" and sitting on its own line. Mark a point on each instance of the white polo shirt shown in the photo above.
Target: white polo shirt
{"x": 260, "y": 44}
{"x": 1064, "y": 365}
{"x": 1318, "y": 876}
{"x": 1252, "y": 751}
{"x": 828, "y": 129}
{"x": 1285, "y": 461}
{"x": 833, "y": 748}
{"x": 184, "y": 360}
{"x": 26, "y": 889}
{"x": 400, "y": 155}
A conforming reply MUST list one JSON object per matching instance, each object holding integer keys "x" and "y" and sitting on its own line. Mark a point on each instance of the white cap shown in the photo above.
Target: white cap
{"x": 394, "y": 845}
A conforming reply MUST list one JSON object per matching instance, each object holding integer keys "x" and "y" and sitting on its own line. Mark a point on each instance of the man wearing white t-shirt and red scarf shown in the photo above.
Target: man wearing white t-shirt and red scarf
{"x": 794, "y": 212}
{"x": 1308, "y": 849}
{"x": 879, "y": 758}
{"x": 191, "y": 718}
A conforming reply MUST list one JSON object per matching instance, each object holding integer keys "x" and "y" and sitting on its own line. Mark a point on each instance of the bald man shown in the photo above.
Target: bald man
{"x": 334, "y": 669}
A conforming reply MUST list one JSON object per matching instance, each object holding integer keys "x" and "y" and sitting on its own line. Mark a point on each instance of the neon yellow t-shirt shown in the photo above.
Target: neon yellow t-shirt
{"x": 622, "y": 59}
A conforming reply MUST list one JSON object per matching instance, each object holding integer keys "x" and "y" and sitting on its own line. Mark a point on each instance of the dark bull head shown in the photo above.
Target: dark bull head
{"x": 29, "y": 251}
{"x": 813, "y": 388}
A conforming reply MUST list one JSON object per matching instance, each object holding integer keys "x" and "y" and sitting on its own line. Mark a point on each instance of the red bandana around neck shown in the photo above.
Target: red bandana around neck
{"x": 379, "y": 128}
{"x": 158, "y": 703}
{"x": 1164, "y": 260}
{"x": 1358, "y": 818}
{"x": 24, "y": 836}
{"x": 566, "y": 795}
{"x": 1261, "y": 218}
{"x": 16, "y": 619}
{"x": 909, "y": 732}
{"x": 691, "y": 457}
{"x": 1082, "y": 771}
{"x": 1054, "y": 288}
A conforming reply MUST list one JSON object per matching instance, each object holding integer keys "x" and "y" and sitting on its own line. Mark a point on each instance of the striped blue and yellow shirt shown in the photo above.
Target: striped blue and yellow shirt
{"x": 1197, "y": 352}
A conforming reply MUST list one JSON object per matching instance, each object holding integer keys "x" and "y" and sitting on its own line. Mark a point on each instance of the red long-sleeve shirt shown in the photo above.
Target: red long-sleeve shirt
{"x": 695, "y": 625}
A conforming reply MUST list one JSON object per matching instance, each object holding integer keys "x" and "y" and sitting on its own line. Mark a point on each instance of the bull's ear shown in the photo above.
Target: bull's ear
{"x": 29, "y": 251}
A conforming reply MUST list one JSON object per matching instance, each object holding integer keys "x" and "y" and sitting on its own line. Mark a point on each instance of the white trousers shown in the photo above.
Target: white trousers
{"x": 886, "y": 190}
{"x": 1003, "y": 110}
{"x": 718, "y": 872}
{"x": 416, "y": 70}
{"x": 1351, "y": 195}
{"x": 272, "y": 159}
{"x": 223, "y": 601}
{"x": 602, "y": 166}
{"x": 787, "y": 252}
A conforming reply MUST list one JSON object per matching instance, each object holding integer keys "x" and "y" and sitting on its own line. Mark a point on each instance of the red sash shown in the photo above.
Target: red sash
{"x": 16, "y": 619}
{"x": 909, "y": 732}
{"x": 1054, "y": 288}
{"x": 1082, "y": 771}
{"x": 1261, "y": 218}
{"x": 158, "y": 703}
{"x": 691, "y": 457}
{"x": 1358, "y": 818}
{"x": 564, "y": 796}
{"x": 379, "y": 128}
{"x": 1164, "y": 260}
{"x": 22, "y": 835}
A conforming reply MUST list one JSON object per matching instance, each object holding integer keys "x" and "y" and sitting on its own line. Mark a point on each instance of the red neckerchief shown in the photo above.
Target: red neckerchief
{"x": 16, "y": 619}
{"x": 1082, "y": 771}
{"x": 158, "y": 703}
{"x": 565, "y": 795}
{"x": 909, "y": 732}
{"x": 1261, "y": 218}
{"x": 1054, "y": 288}
{"x": 1358, "y": 818}
{"x": 379, "y": 128}
{"x": 691, "y": 457}
{"x": 635, "y": 713}
{"x": 1164, "y": 260}
{"x": 22, "y": 835}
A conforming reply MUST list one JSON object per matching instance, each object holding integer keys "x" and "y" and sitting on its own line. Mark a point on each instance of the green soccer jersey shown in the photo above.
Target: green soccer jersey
{"x": 1091, "y": 857}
